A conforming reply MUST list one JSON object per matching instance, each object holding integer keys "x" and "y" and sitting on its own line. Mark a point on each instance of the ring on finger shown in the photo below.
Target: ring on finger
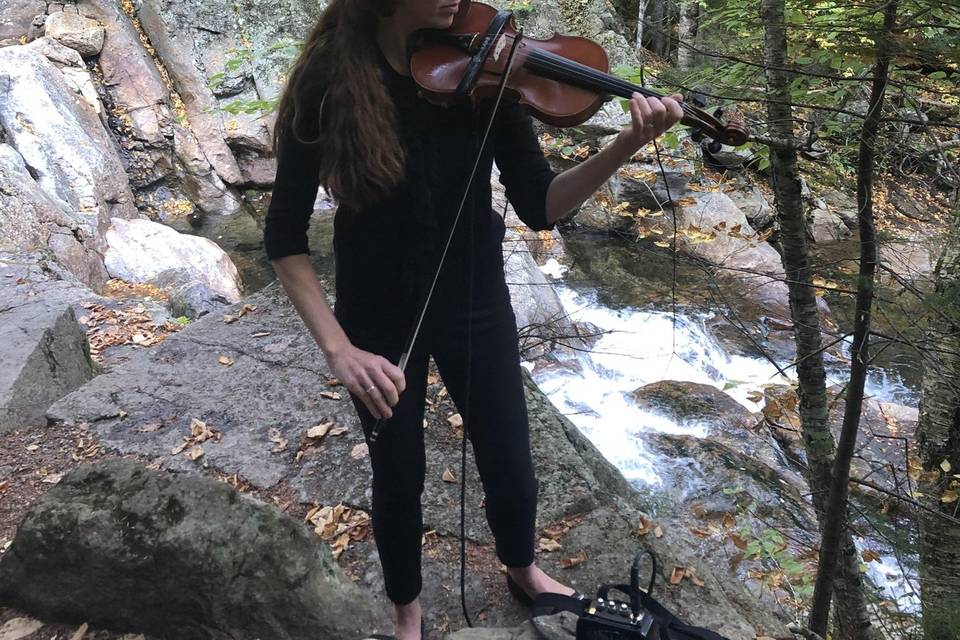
{"x": 370, "y": 388}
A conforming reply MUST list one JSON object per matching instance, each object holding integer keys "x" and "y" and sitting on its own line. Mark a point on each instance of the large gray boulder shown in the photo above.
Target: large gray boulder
{"x": 179, "y": 556}
{"x": 145, "y": 251}
{"x": 43, "y": 349}
{"x": 64, "y": 146}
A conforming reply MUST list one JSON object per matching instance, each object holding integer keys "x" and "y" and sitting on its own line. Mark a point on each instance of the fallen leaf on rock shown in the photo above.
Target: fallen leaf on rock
{"x": 645, "y": 527}
{"x": 199, "y": 432}
{"x": 700, "y": 533}
{"x": 548, "y": 544}
{"x": 16, "y": 628}
{"x": 247, "y": 308}
{"x": 225, "y": 360}
{"x": 196, "y": 452}
{"x": 455, "y": 420}
{"x": 259, "y": 334}
{"x": 676, "y": 576}
{"x": 52, "y": 478}
{"x": 432, "y": 378}
{"x": 230, "y": 319}
{"x": 32, "y": 447}
{"x": 448, "y": 476}
{"x": 658, "y": 532}
{"x": 569, "y": 563}
{"x": 338, "y": 431}
{"x": 320, "y": 430}
{"x": 738, "y": 541}
{"x": 334, "y": 382}
{"x": 338, "y": 525}
{"x": 331, "y": 395}
{"x": 79, "y": 633}
{"x": 694, "y": 578}
{"x": 360, "y": 451}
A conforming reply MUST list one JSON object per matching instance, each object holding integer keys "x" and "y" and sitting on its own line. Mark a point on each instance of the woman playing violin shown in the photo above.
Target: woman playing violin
{"x": 351, "y": 120}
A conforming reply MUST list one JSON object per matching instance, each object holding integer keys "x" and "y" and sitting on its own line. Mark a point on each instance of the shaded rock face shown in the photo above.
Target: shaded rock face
{"x": 176, "y": 555}
{"x": 43, "y": 349}
{"x": 144, "y": 251}
{"x": 17, "y": 16}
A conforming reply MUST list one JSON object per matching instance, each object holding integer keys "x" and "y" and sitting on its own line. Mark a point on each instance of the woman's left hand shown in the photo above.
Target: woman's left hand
{"x": 650, "y": 117}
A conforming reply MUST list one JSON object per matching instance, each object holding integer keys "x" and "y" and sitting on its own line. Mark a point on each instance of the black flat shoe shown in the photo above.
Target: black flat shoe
{"x": 524, "y": 598}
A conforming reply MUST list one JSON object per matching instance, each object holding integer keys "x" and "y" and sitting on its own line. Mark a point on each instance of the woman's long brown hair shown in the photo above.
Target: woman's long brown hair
{"x": 335, "y": 99}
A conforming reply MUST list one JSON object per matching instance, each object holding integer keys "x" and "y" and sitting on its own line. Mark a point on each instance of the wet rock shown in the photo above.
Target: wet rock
{"x": 144, "y": 251}
{"x": 44, "y": 350}
{"x": 73, "y": 30}
{"x": 64, "y": 146}
{"x": 176, "y": 555}
{"x": 30, "y": 220}
{"x": 16, "y": 17}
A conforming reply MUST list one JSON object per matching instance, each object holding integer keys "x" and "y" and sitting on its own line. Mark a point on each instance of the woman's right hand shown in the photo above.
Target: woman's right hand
{"x": 372, "y": 378}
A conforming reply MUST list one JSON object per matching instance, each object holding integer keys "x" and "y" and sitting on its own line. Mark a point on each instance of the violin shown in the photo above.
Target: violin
{"x": 563, "y": 80}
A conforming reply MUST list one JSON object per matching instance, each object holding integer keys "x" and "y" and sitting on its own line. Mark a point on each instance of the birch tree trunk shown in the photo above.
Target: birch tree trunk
{"x": 938, "y": 437}
{"x": 817, "y": 438}
{"x": 689, "y": 22}
{"x": 833, "y": 520}
{"x": 641, "y": 18}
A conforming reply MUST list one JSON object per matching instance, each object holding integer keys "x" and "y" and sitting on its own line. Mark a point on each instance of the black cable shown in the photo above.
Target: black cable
{"x": 635, "y": 603}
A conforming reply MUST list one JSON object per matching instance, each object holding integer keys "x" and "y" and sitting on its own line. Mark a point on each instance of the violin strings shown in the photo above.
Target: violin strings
{"x": 594, "y": 79}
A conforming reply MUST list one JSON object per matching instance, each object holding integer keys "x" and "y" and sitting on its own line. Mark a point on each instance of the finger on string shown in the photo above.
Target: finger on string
{"x": 644, "y": 110}
{"x": 657, "y": 112}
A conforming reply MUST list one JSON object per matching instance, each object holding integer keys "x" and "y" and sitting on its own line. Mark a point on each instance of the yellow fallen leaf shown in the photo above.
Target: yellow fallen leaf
{"x": 331, "y": 395}
{"x": 694, "y": 578}
{"x": 230, "y": 319}
{"x": 949, "y": 496}
{"x": 448, "y": 476}
{"x": 945, "y": 465}
{"x": 196, "y": 453}
{"x": 338, "y": 431}
{"x": 225, "y": 360}
{"x": 548, "y": 544}
{"x": 645, "y": 527}
{"x": 658, "y": 532}
{"x": 455, "y": 420}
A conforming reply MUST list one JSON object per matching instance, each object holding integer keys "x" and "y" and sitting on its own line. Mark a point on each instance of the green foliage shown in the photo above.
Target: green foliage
{"x": 182, "y": 320}
{"x": 245, "y": 60}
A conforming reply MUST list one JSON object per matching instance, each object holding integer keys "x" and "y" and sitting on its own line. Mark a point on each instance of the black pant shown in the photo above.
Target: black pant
{"x": 498, "y": 431}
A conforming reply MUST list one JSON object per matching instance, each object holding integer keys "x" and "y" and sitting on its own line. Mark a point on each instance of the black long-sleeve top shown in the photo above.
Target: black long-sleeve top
{"x": 385, "y": 255}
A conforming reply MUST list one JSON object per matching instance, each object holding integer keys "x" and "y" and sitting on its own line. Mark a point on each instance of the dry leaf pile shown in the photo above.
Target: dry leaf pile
{"x": 200, "y": 432}
{"x": 316, "y": 434}
{"x": 111, "y": 327}
{"x": 338, "y": 525}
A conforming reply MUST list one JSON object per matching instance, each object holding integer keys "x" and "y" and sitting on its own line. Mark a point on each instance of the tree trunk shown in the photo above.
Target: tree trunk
{"x": 689, "y": 22}
{"x": 938, "y": 437}
{"x": 641, "y": 18}
{"x": 659, "y": 22}
{"x": 836, "y": 514}
{"x": 817, "y": 438}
